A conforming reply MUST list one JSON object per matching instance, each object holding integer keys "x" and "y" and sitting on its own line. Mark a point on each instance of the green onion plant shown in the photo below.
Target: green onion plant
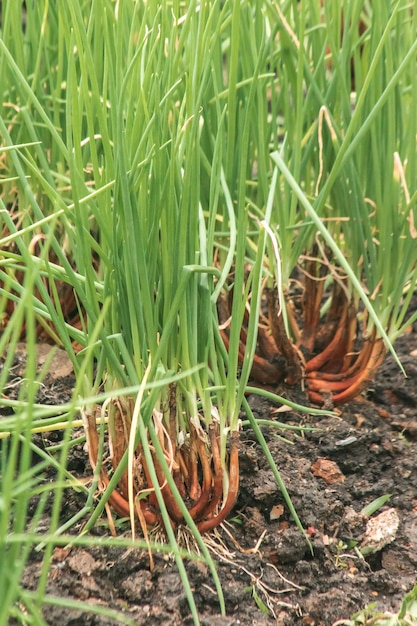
{"x": 344, "y": 88}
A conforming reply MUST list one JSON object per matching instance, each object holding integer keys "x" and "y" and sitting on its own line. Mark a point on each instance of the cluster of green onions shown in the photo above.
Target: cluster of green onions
{"x": 173, "y": 177}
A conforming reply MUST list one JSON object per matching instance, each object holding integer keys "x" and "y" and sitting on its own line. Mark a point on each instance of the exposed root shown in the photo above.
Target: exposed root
{"x": 313, "y": 294}
{"x": 348, "y": 388}
{"x": 118, "y": 501}
{"x": 283, "y": 343}
{"x": 207, "y": 490}
{"x": 232, "y": 490}
{"x": 322, "y": 354}
{"x": 332, "y": 349}
{"x": 271, "y": 596}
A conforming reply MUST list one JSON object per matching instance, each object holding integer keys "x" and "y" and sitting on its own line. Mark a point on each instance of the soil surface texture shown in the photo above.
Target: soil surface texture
{"x": 268, "y": 573}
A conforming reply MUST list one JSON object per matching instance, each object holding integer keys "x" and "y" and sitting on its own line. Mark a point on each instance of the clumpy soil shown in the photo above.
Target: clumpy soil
{"x": 267, "y": 571}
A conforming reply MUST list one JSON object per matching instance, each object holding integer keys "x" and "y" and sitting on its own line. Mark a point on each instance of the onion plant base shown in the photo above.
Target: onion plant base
{"x": 195, "y": 466}
{"x": 328, "y": 354}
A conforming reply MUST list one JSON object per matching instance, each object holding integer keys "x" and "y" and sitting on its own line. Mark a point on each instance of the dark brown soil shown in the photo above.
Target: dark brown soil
{"x": 268, "y": 574}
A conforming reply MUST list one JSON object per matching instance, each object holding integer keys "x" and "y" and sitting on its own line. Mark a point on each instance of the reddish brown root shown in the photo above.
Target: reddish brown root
{"x": 313, "y": 294}
{"x": 263, "y": 371}
{"x": 320, "y": 360}
{"x": 233, "y": 488}
{"x": 200, "y": 506}
{"x": 285, "y": 347}
{"x": 216, "y": 490}
{"x": 323, "y": 385}
{"x": 359, "y": 363}
{"x": 171, "y": 503}
{"x": 266, "y": 343}
{"x": 116, "y": 499}
{"x": 343, "y": 391}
